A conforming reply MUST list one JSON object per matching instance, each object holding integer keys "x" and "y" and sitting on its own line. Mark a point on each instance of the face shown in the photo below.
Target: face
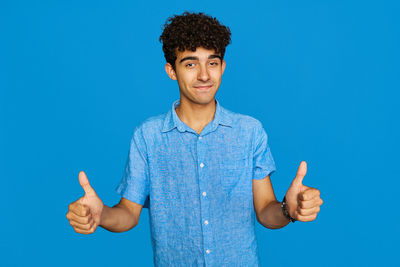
{"x": 198, "y": 74}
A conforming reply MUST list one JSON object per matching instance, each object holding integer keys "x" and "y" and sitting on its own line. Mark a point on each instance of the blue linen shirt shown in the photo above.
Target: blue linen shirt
{"x": 198, "y": 187}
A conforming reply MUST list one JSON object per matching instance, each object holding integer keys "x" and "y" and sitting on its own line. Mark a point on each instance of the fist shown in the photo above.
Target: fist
{"x": 303, "y": 202}
{"x": 84, "y": 214}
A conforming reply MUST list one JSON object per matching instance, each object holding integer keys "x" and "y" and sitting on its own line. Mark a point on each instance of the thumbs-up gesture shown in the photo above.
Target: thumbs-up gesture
{"x": 303, "y": 202}
{"x": 85, "y": 213}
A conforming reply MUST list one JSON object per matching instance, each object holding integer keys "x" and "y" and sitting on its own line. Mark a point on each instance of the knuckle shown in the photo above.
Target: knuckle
{"x": 85, "y": 211}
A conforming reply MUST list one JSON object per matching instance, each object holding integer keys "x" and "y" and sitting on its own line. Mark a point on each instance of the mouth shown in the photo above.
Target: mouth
{"x": 203, "y": 87}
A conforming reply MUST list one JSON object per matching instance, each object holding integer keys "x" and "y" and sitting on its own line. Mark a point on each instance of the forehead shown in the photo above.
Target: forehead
{"x": 200, "y": 53}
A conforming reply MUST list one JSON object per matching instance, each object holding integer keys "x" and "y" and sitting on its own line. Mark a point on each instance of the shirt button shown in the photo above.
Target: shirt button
{"x": 205, "y": 222}
{"x": 204, "y": 194}
{"x": 201, "y": 165}
{"x": 208, "y": 251}
{"x": 200, "y": 137}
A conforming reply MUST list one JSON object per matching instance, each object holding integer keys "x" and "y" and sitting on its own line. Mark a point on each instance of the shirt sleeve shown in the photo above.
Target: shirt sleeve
{"x": 263, "y": 162}
{"x": 134, "y": 184}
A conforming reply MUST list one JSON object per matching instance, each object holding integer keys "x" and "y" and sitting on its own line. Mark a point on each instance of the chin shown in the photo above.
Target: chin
{"x": 199, "y": 98}
{"x": 205, "y": 101}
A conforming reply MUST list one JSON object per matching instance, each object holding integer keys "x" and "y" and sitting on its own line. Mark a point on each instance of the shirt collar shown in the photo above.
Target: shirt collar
{"x": 171, "y": 121}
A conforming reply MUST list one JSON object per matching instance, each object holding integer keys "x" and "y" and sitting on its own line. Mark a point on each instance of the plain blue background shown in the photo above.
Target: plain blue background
{"x": 76, "y": 77}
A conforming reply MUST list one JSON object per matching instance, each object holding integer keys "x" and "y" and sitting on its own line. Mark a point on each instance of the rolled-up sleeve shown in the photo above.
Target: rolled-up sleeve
{"x": 263, "y": 162}
{"x": 134, "y": 184}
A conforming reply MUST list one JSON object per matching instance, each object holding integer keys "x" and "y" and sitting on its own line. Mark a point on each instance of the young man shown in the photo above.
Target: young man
{"x": 201, "y": 170}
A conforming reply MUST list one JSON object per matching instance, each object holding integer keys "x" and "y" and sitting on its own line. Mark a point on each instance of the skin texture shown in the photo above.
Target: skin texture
{"x": 303, "y": 202}
{"x": 84, "y": 214}
{"x": 199, "y": 75}
{"x": 89, "y": 212}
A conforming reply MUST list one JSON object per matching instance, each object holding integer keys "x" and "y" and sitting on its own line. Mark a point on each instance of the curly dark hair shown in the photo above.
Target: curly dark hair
{"x": 192, "y": 30}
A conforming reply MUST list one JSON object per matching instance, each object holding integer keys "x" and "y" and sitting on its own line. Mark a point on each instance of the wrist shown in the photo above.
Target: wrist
{"x": 285, "y": 210}
{"x": 103, "y": 215}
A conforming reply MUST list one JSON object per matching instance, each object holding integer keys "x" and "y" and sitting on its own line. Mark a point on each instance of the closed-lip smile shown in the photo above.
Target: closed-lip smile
{"x": 203, "y": 87}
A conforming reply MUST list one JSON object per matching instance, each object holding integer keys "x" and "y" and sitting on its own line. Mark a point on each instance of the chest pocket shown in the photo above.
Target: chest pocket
{"x": 232, "y": 170}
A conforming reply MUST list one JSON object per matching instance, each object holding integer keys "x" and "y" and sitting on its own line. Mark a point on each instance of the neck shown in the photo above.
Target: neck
{"x": 196, "y": 116}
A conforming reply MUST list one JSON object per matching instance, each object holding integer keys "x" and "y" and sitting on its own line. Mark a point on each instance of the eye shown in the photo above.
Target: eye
{"x": 213, "y": 63}
{"x": 190, "y": 65}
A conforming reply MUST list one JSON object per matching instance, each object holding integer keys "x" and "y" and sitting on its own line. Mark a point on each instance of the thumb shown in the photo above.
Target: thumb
{"x": 301, "y": 172}
{"x": 83, "y": 180}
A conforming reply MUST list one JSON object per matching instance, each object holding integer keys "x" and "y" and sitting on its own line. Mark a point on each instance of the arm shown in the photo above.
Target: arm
{"x": 268, "y": 209}
{"x": 122, "y": 217}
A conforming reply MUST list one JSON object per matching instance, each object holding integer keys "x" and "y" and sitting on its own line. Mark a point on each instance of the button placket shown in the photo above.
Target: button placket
{"x": 202, "y": 174}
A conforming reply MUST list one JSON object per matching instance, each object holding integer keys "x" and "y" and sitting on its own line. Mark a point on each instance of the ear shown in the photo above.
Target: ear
{"x": 223, "y": 66}
{"x": 170, "y": 71}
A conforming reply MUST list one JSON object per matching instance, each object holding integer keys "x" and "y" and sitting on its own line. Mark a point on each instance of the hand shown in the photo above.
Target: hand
{"x": 84, "y": 214}
{"x": 303, "y": 202}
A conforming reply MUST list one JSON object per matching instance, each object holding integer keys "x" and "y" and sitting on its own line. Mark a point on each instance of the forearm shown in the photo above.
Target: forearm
{"x": 272, "y": 216}
{"x": 117, "y": 219}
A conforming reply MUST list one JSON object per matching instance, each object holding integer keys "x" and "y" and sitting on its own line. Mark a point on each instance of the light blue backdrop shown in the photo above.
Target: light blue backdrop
{"x": 76, "y": 77}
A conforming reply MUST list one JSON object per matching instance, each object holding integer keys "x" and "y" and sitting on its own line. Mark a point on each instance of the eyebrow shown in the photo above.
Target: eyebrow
{"x": 196, "y": 58}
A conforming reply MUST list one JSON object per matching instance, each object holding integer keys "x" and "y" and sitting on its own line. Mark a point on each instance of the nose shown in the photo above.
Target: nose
{"x": 203, "y": 74}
